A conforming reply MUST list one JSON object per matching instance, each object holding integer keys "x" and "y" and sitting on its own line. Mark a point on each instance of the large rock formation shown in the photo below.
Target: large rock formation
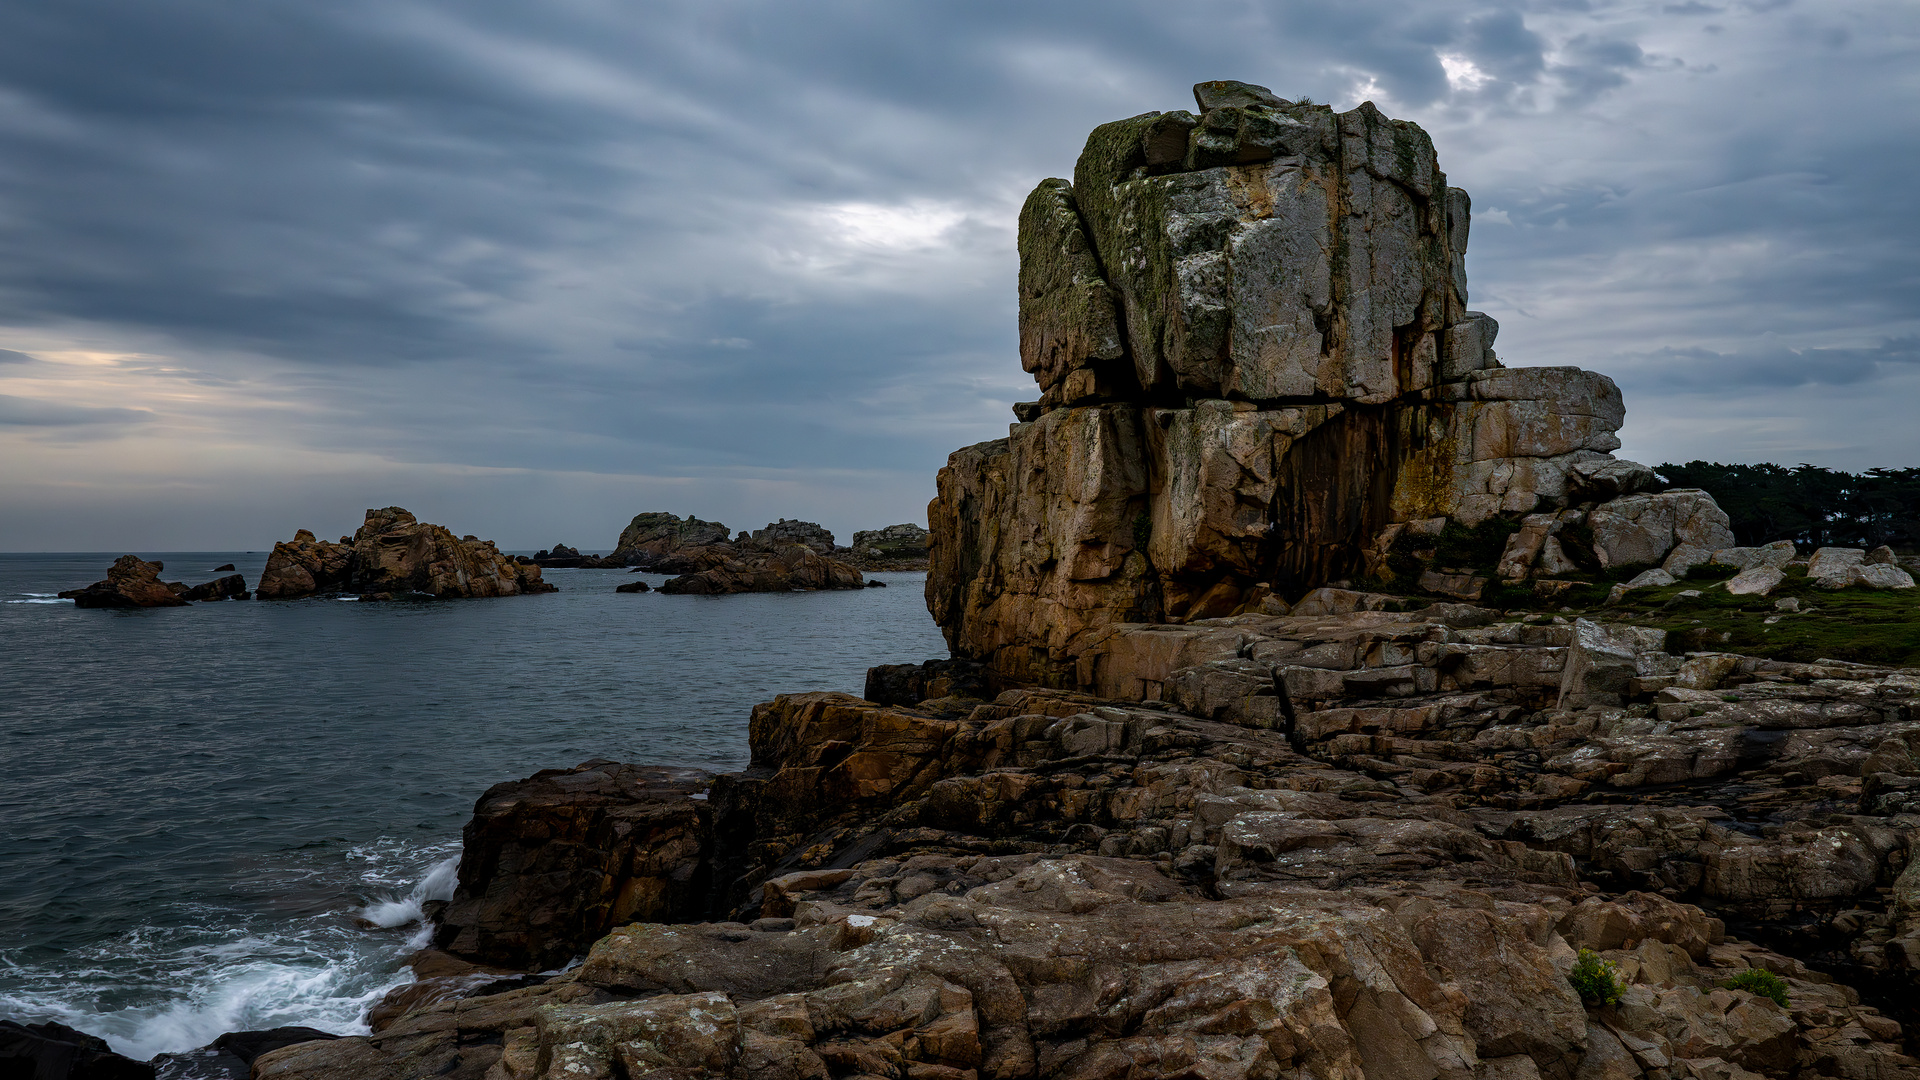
{"x": 651, "y": 536}
{"x": 794, "y": 531}
{"x": 1249, "y": 326}
{"x": 391, "y": 554}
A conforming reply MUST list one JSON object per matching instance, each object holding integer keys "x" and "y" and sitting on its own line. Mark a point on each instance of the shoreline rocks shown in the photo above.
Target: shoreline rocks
{"x": 1049, "y": 883}
{"x": 394, "y": 554}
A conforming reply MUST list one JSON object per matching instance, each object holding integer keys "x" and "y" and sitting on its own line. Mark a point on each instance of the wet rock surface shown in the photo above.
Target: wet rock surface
{"x": 57, "y": 1052}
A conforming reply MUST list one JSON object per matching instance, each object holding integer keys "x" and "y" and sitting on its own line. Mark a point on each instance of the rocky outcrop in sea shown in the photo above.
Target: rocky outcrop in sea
{"x": 394, "y": 554}
{"x": 1179, "y": 804}
{"x": 134, "y": 582}
{"x": 785, "y": 556}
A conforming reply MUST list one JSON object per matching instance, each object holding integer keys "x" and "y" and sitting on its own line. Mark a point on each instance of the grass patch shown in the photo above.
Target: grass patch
{"x": 1762, "y": 982}
{"x": 1867, "y": 626}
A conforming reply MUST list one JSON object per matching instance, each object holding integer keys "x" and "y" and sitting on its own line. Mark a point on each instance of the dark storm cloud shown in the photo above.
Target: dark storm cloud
{"x": 698, "y": 237}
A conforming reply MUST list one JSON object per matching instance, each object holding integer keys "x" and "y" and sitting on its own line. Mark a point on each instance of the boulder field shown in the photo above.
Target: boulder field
{"x": 395, "y": 554}
{"x": 1180, "y": 805}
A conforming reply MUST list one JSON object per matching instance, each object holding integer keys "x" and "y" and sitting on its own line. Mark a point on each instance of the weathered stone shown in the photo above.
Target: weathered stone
{"x": 1068, "y": 321}
{"x": 902, "y": 546}
{"x": 1882, "y": 555}
{"x": 1835, "y": 567}
{"x": 1603, "y": 661}
{"x": 1777, "y": 554}
{"x": 1601, "y": 480}
{"x": 654, "y": 535}
{"x": 130, "y": 582}
{"x": 393, "y": 553}
{"x": 1882, "y": 576}
{"x": 1654, "y": 578}
{"x": 553, "y": 862}
{"x": 1226, "y": 273}
{"x": 57, "y": 1052}
{"x": 1293, "y": 373}
{"x": 791, "y": 531}
{"x": 787, "y": 567}
{"x": 1641, "y": 529}
{"x": 305, "y": 566}
{"x": 1758, "y": 581}
{"x": 231, "y": 587}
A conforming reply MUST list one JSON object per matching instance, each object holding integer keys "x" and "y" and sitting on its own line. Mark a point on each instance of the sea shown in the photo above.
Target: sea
{"x": 226, "y": 817}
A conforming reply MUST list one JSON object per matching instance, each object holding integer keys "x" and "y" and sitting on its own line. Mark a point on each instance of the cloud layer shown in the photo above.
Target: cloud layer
{"x": 529, "y": 271}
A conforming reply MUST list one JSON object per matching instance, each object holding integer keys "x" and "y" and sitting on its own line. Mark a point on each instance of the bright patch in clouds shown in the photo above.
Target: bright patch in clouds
{"x": 1462, "y": 73}
{"x": 913, "y": 226}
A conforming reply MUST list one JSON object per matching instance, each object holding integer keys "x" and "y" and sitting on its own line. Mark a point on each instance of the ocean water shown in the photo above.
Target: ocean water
{"x": 226, "y": 816}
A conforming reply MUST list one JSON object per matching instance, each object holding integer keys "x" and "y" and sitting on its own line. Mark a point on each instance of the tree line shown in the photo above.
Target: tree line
{"x": 1809, "y": 505}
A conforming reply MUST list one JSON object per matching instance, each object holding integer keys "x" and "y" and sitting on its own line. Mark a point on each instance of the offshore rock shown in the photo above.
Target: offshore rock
{"x": 791, "y": 531}
{"x": 305, "y": 566}
{"x": 1257, "y": 368}
{"x": 896, "y": 547}
{"x": 230, "y": 587}
{"x": 394, "y": 553}
{"x": 722, "y": 569}
{"x": 131, "y": 582}
{"x": 654, "y": 535}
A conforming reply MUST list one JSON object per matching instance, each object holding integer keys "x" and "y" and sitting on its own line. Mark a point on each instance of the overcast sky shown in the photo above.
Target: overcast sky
{"x": 528, "y": 269}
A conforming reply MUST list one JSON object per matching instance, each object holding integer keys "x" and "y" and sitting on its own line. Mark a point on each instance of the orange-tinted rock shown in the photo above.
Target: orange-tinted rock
{"x": 130, "y": 582}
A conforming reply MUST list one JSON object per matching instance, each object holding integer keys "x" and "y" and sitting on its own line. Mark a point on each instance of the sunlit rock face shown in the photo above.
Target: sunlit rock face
{"x": 1249, "y": 328}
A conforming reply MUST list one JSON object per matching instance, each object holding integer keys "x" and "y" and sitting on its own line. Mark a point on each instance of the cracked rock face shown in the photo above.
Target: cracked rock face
{"x": 1250, "y": 333}
{"x": 1358, "y": 845}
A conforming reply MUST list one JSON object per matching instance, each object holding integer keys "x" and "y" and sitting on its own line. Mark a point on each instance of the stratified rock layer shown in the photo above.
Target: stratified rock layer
{"x": 1363, "y": 845}
{"x": 1250, "y": 332}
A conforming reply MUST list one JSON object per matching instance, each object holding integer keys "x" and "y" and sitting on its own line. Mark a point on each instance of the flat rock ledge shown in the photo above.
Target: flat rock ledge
{"x": 1364, "y": 845}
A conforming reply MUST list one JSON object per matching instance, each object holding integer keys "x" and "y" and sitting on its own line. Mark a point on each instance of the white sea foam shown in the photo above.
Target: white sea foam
{"x": 39, "y": 598}
{"x": 159, "y": 991}
{"x": 437, "y": 885}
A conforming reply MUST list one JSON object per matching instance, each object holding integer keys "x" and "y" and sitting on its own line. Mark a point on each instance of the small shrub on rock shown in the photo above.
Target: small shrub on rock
{"x": 1595, "y": 980}
{"x": 1762, "y": 982}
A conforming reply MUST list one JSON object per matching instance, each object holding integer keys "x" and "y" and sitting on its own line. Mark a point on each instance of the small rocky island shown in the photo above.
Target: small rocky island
{"x": 392, "y": 555}
{"x": 133, "y": 582}
{"x": 787, "y": 555}
{"x": 1237, "y": 770}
